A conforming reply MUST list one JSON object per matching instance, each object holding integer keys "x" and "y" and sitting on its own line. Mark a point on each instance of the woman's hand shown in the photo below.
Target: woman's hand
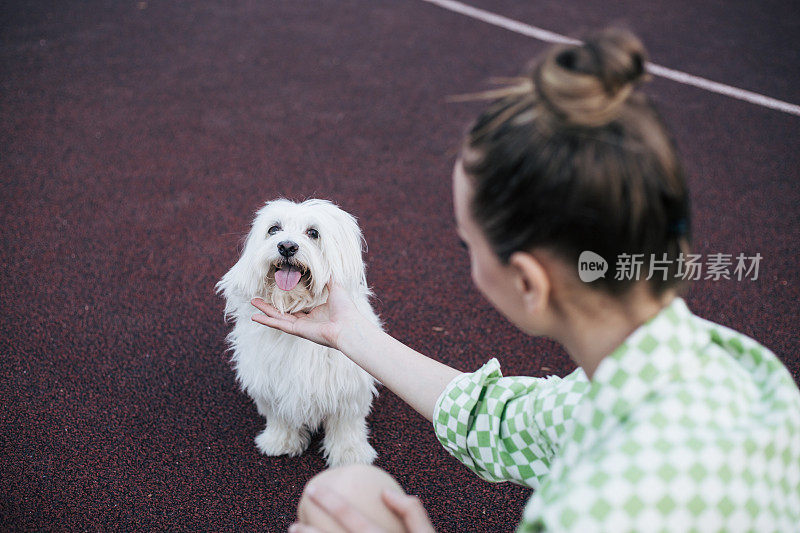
{"x": 407, "y": 509}
{"x": 325, "y": 324}
{"x": 417, "y": 379}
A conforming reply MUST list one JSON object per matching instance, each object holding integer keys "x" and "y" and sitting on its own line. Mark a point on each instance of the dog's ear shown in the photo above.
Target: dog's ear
{"x": 244, "y": 279}
{"x": 241, "y": 282}
{"x": 348, "y": 264}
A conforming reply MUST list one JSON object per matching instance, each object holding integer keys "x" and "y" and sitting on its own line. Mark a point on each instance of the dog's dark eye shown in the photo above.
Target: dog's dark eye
{"x": 312, "y": 233}
{"x": 273, "y": 230}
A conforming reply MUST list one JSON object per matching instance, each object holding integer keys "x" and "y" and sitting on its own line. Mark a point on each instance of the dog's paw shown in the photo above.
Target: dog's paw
{"x": 353, "y": 452}
{"x": 275, "y": 441}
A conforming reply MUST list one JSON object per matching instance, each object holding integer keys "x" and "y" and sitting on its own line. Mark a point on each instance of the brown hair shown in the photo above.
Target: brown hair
{"x": 573, "y": 158}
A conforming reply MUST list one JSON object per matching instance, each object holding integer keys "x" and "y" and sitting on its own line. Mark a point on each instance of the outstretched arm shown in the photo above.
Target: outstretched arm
{"x": 416, "y": 379}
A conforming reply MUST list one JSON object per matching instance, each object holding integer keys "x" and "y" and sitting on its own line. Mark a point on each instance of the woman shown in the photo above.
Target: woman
{"x": 671, "y": 422}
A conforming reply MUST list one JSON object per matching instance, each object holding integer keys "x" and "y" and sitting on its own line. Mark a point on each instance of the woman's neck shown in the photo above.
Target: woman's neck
{"x": 601, "y": 323}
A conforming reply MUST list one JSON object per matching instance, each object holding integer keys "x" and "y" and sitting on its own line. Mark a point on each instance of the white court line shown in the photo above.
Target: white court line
{"x": 657, "y": 70}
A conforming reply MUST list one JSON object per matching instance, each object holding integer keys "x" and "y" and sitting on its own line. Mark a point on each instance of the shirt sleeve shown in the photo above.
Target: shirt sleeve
{"x": 507, "y": 429}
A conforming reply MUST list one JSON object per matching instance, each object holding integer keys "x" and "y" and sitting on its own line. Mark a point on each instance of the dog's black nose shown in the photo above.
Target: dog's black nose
{"x": 287, "y": 248}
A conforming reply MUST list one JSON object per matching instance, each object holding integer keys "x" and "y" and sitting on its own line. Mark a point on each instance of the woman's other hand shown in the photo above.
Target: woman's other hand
{"x": 407, "y": 509}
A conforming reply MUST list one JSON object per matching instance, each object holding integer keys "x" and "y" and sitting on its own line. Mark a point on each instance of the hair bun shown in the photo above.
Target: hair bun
{"x": 586, "y": 84}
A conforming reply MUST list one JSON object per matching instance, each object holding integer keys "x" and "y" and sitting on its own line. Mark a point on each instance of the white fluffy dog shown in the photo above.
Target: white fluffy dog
{"x": 288, "y": 258}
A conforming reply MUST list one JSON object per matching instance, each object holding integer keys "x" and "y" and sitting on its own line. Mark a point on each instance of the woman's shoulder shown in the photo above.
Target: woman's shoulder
{"x": 760, "y": 365}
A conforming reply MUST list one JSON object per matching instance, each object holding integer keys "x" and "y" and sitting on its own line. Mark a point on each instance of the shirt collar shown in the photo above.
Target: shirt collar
{"x": 654, "y": 354}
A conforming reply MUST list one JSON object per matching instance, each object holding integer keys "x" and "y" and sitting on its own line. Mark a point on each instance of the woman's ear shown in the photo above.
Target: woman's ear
{"x": 533, "y": 281}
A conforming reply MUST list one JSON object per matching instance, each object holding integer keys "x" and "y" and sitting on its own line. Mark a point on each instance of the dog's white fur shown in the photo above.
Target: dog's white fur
{"x": 298, "y": 385}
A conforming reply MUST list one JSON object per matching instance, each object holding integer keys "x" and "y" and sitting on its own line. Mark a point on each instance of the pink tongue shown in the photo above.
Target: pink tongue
{"x": 287, "y": 278}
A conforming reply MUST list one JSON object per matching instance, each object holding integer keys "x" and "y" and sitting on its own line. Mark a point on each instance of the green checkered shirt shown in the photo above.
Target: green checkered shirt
{"x": 687, "y": 426}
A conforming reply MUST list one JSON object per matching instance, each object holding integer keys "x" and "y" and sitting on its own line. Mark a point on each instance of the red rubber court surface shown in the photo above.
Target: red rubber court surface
{"x": 136, "y": 141}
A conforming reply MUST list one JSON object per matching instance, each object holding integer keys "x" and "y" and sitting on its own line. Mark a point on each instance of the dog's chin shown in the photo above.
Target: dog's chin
{"x": 300, "y": 296}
